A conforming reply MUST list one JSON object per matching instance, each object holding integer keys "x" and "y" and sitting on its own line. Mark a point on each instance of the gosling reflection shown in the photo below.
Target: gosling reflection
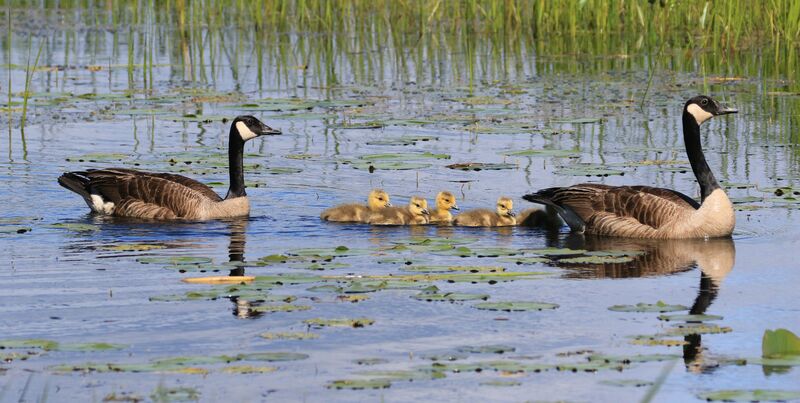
{"x": 714, "y": 257}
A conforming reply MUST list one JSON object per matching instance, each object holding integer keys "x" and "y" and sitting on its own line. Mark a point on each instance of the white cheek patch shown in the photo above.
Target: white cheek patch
{"x": 244, "y": 132}
{"x": 700, "y": 115}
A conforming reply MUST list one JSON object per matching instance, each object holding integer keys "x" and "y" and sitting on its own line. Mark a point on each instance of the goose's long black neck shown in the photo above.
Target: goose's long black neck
{"x": 236, "y": 165}
{"x": 691, "y": 138}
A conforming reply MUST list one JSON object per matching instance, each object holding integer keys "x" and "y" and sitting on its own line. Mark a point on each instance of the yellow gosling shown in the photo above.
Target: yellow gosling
{"x": 414, "y": 214}
{"x": 377, "y": 200}
{"x": 501, "y": 217}
{"x": 445, "y": 201}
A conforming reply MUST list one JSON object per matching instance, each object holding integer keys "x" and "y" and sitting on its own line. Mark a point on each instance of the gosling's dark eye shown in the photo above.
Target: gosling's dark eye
{"x": 704, "y": 102}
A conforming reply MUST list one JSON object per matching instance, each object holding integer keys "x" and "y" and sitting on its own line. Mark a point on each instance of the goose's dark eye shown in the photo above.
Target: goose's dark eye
{"x": 704, "y": 102}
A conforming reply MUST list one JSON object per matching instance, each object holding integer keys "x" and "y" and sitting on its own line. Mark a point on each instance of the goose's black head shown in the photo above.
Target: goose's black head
{"x": 703, "y": 108}
{"x": 248, "y": 127}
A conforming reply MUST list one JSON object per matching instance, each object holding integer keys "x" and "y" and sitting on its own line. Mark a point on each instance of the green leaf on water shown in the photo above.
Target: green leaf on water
{"x": 659, "y": 306}
{"x": 627, "y": 359}
{"x": 357, "y": 384}
{"x": 449, "y": 296}
{"x": 272, "y": 356}
{"x": 279, "y": 308}
{"x": 370, "y": 361}
{"x": 29, "y": 343}
{"x": 656, "y": 340}
{"x": 749, "y": 395}
{"x": 525, "y": 260}
{"x": 389, "y": 165}
{"x": 289, "y": 335}
{"x": 247, "y": 369}
{"x": 174, "y": 260}
{"x": 591, "y": 366}
{"x": 515, "y": 306}
{"x": 577, "y": 121}
{"x": 487, "y": 349}
{"x": 90, "y": 346}
{"x": 556, "y": 251}
{"x": 449, "y": 269}
{"x": 689, "y": 318}
{"x": 343, "y": 322}
{"x": 500, "y": 383}
{"x": 552, "y": 152}
{"x": 779, "y": 343}
{"x": 75, "y": 227}
{"x": 403, "y": 156}
{"x": 696, "y": 328}
{"x": 584, "y": 169}
{"x": 637, "y": 383}
{"x": 178, "y": 394}
{"x": 482, "y": 166}
{"x": 132, "y": 247}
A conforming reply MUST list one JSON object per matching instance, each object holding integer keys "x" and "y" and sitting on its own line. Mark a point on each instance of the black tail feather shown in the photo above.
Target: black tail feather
{"x": 545, "y": 197}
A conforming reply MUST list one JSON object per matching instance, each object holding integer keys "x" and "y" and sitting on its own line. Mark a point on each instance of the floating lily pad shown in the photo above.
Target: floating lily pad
{"x": 358, "y": 384}
{"x": 487, "y": 349}
{"x": 500, "y": 383}
{"x": 449, "y": 296}
{"x": 577, "y": 121}
{"x": 463, "y": 251}
{"x": 178, "y": 394}
{"x": 174, "y": 260}
{"x": 401, "y": 141}
{"x": 689, "y": 318}
{"x": 482, "y": 166}
{"x": 588, "y": 170}
{"x": 335, "y": 251}
{"x": 29, "y": 343}
{"x": 99, "y": 157}
{"x": 272, "y": 356}
{"x": 656, "y": 340}
{"x": 401, "y": 375}
{"x": 542, "y": 153}
{"x": 357, "y": 322}
{"x": 370, "y": 361}
{"x": 248, "y": 369}
{"x": 556, "y": 251}
{"x": 752, "y": 395}
{"x": 637, "y": 383}
{"x": 659, "y": 306}
{"x": 591, "y": 366}
{"x": 779, "y": 344}
{"x": 696, "y": 328}
{"x": 627, "y": 359}
{"x": 279, "y": 171}
{"x": 75, "y": 227}
{"x": 389, "y": 165}
{"x": 514, "y": 306}
{"x": 90, "y": 346}
{"x": 450, "y": 269}
{"x": 132, "y": 247}
{"x": 289, "y": 335}
{"x": 525, "y": 260}
{"x": 279, "y": 308}
{"x": 403, "y": 156}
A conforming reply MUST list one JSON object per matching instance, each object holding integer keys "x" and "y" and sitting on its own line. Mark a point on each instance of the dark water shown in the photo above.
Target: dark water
{"x": 73, "y": 285}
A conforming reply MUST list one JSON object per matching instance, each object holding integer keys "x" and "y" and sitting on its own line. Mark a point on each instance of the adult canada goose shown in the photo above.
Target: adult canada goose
{"x": 130, "y": 193}
{"x": 376, "y": 200}
{"x": 501, "y": 217}
{"x": 414, "y": 214}
{"x": 648, "y": 212}
{"x": 445, "y": 201}
{"x": 538, "y": 218}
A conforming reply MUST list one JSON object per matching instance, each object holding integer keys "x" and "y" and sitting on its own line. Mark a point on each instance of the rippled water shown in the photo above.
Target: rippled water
{"x": 78, "y": 284}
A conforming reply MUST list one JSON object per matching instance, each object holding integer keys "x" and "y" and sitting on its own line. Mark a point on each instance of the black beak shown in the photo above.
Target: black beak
{"x": 268, "y": 131}
{"x": 722, "y": 110}
{"x": 455, "y": 207}
{"x": 511, "y": 214}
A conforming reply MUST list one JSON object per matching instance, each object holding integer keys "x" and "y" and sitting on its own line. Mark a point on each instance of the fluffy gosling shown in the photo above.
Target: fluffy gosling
{"x": 501, "y": 217}
{"x": 445, "y": 201}
{"x": 414, "y": 214}
{"x": 377, "y": 200}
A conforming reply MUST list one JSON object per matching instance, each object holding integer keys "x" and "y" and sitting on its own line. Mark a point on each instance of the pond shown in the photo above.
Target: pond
{"x": 107, "y": 308}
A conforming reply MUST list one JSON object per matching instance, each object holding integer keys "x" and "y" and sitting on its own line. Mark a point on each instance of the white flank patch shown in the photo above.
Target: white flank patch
{"x": 700, "y": 115}
{"x": 99, "y": 206}
{"x": 244, "y": 131}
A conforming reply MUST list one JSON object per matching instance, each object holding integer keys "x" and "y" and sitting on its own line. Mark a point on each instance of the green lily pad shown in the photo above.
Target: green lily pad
{"x": 178, "y": 394}
{"x": 751, "y": 395}
{"x": 357, "y": 384}
{"x": 403, "y": 156}
{"x": 272, "y": 356}
{"x": 279, "y": 308}
{"x": 525, "y": 260}
{"x": 588, "y": 170}
{"x": 321, "y": 322}
{"x": 247, "y": 369}
{"x": 76, "y": 227}
{"x": 659, "y": 306}
{"x": 402, "y": 141}
{"x": 463, "y": 251}
{"x": 449, "y": 296}
{"x": 637, "y": 383}
{"x": 482, "y": 166}
{"x": 99, "y": 157}
{"x": 696, "y": 328}
{"x": 591, "y": 366}
{"x": 289, "y": 335}
{"x": 514, "y": 306}
{"x": 627, "y": 359}
{"x": 90, "y": 346}
{"x": 279, "y": 170}
{"x": 779, "y": 344}
{"x": 556, "y": 251}
{"x": 450, "y": 269}
{"x": 401, "y": 375}
{"x": 389, "y": 165}
{"x": 689, "y": 318}
{"x": 577, "y": 121}
{"x": 542, "y": 153}
{"x": 500, "y": 383}
{"x": 657, "y": 340}
{"x": 487, "y": 349}
{"x": 370, "y": 361}
{"x": 132, "y": 247}
{"x": 358, "y": 125}
{"x": 29, "y": 343}
{"x": 174, "y": 260}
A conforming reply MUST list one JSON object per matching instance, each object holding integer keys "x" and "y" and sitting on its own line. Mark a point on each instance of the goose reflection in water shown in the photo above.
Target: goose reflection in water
{"x": 714, "y": 257}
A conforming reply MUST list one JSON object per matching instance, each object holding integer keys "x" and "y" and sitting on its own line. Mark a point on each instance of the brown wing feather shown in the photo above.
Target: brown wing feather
{"x": 129, "y": 188}
{"x": 611, "y": 209}
{"x": 198, "y": 187}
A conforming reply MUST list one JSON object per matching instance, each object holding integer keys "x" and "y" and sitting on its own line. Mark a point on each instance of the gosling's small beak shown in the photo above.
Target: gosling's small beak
{"x": 268, "y": 131}
{"x": 425, "y": 212}
{"x": 512, "y": 214}
{"x": 388, "y": 204}
{"x": 722, "y": 110}
{"x": 455, "y": 207}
